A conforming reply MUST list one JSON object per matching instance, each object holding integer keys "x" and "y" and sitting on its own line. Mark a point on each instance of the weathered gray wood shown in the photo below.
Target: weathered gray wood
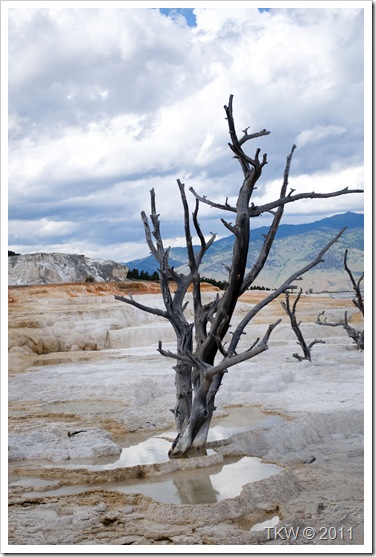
{"x": 355, "y": 334}
{"x": 201, "y": 358}
{"x": 291, "y": 312}
{"x": 358, "y": 300}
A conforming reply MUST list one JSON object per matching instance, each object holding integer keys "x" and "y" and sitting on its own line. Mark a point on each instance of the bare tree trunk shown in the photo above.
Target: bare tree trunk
{"x": 203, "y": 432}
{"x": 183, "y": 390}
{"x": 198, "y": 373}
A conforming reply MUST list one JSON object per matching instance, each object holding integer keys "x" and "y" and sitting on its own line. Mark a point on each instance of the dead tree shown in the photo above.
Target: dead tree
{"x": 356, "y": 335}
{"x": 358, "y": 300}
{"x": 201, "y": 356}
{"x": 291, "y": 312}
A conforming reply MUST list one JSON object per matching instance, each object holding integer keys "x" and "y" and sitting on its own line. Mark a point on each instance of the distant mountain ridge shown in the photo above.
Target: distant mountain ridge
{"x": 294, "y": 247}
{"x": 349, "y": 219}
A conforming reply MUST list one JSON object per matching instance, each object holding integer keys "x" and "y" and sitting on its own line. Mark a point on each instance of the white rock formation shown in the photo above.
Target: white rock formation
{"x": 57, "y": 268}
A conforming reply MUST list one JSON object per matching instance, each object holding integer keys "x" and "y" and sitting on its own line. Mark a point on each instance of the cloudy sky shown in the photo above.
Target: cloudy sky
{"x": 108, "y": 102}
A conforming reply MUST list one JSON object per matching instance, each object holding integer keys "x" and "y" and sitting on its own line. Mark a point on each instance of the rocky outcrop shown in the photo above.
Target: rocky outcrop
{"x": 58, "y": 268}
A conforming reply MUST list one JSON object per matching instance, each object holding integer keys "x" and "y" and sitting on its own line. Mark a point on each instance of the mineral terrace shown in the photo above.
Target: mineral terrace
{"x": 85, "y": 376}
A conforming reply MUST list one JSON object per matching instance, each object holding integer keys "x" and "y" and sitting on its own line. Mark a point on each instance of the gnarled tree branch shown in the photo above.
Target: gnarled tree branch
{"x": 132, "y": 302}
{"x": 269, "y": 239}
{"x": 210, "y": 371}
{"x": 291, "y": 312}
{"x": 357, "y": 336}
{"x": 358, "y": 300}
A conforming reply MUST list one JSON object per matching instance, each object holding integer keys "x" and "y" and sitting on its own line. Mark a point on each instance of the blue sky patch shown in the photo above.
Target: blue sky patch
{"x": 186, "y": 12}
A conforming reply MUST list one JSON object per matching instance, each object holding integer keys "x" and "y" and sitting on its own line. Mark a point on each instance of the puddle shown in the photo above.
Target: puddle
{"x": 270, "y": 523}
{"x": 31, "y": 483}
{"x": 236, "y": 420}
{"x": 194, "y": 486}
{"x": 187, "y": 487}
{"x": 240, "y": 419}
{"x": 151, "y": 451}
{"x": 201, "y": 485}
{"x": 142, "y": 448}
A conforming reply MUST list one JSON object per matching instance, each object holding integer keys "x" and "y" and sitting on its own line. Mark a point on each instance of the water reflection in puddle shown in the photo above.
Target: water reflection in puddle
{"x": 194, "y": 487}
{"x": 270, "y": 523}
{"x": 236, "y": 420}
{"x": 201, "y": 485}
{"x": 151, "y": 451}
{"x": 240, "y": 419}
{"x": 141, "y": 448}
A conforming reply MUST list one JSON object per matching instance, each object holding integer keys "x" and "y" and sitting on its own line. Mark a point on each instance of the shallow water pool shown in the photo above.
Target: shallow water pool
{"x": 201, "y": 485}
{"x": 194, "y": 487}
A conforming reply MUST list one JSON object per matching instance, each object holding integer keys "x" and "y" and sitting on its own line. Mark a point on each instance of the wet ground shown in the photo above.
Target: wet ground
{"x": 207, "y": 484}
